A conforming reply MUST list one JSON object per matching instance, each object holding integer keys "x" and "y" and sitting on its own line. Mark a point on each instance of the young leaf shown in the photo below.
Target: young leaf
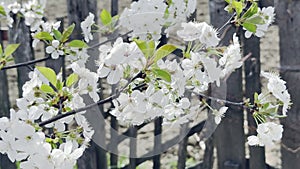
{"x": 78, "y": 44}
{"x": 59, "y": 85}
{"x": 250, "y": 27}
{"x": 162, "y": 74}
{"x": 147, "y": 48}
{"x": 44, "y": 36}
{"x": 57, "y": 34}
{"x": 251, "y": 11}
{"x": 238, "y": 6}
{"x": 72, "y": 79}
{"x": 10, "y": 49}
{"x": 49, "y": 74}
{"x": 105, "y": 17}
{"x": 2, "y": 11}
{"x": 47, "y": 89}
{"x": 1, "y": 50}
{"x": 67, "y": 33}
{"x": 163, "y": 52}
{"x": 255, "y": 20}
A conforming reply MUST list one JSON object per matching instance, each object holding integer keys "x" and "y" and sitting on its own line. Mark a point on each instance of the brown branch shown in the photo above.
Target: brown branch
{"x": 25, "y": 63}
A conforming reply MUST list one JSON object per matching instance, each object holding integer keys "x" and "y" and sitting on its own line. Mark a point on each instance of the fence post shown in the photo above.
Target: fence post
{"x": 288, "y": 20}
{"x": 230, "y": 133}
{"x": 114, "y": 122}
{"x": 133, "y": 147}
{"x": 4, "y": 110}
{"x": 78, "y": 10}
{"x": 252, "y": 78}
{"x": 20, "y": 33}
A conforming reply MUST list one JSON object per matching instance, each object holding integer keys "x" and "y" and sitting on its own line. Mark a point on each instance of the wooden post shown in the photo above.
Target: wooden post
{"x": 288, "y": 20}
{"x": 114, "y": 123}
{"x": 4, "y": 110}
{"x": 252, "y": 77}
{"x": 230, "y": 133}
{"x": 157, "y": 142}
{"x": 78, "y": 10}
{"x": 20, "y": 33}
{"x": 133, "y": 147}
{"x": 182, "y": 151}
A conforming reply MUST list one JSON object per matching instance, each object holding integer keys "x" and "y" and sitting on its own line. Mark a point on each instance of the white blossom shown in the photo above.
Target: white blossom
{"x": 54, "y": 49}
{"x": 231, "y": 58}
{"x": 86, "y": 27}
{"x": 219, "y": 114}
{"x": 267, "y": 134}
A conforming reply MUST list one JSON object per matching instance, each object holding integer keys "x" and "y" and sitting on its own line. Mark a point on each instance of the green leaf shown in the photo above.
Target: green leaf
{"x": 255, "y": 20}
{"x": 78, "y": 44}
{"x": 49, "y": 74}
{"x": 10, "y": 49}
{"x": 44, "y": 36}
{"x": 255, "y": 97}
{"x": 47, "y": 89}
{"x": 250, "y": 27}
{"x": 57, "y": 34}
{"x": 2, "y": 11}
{"x": 147, "y": 48}
{"x": 72, "y": 79}
{"x": 251, "y": 11}
{"x": 162, "y": 74}
{"x": 59, "y": 85}
{"x": 163, "y": 51}
{"x": 238, "y": 6}
{"x": 1, "y": 50}
{"x": 105, "y": 17}
{"x": 67, "y": 33}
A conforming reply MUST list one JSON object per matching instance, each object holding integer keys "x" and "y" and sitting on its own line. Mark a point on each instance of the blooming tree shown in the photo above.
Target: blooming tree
{"x": 152, "y": 82}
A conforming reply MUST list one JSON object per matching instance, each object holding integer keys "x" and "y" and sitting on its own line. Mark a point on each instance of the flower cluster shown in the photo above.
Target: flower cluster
{"x": 32, "y": 11}
{"x": 203, "y": 32}
{"x": 49, "y": 146}
{"x": 146, "y": 18}
{"x": 267, "y": 133}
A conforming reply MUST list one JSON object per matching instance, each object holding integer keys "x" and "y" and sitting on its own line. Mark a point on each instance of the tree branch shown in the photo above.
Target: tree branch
{"x": 25, "y": 63}
{"x": 100, "y": 102}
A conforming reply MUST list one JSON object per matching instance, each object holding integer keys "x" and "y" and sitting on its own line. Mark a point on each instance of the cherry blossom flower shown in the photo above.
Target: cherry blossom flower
{"x": 267, "y": 134}
{"x": 54, "y": 49}
{"x": 231, "y": 58}
{"x": 219, "y": 114}
{"x": 278, "y": 89}
{"x": 86, "y": 27}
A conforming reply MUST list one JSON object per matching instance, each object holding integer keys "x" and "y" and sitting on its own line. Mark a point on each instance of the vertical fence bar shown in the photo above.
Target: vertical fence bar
{"x": 4, "y": 109}
{"x": 133, "y": 147}
{"x": 95, "y": 156}
{"x": 57, "y": 64}
{"x": 20, "y": 33}
{"x": 252, "y": 78}
{"x": 288, "y": 20}
{"x": 114, "y": 122}
{"x": 182, "y": 149}
{"x": 230, "y": 133}
{"x": 157, "y": 142}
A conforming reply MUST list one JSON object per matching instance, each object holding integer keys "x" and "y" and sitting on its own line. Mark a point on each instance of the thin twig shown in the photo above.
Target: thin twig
{"x": 25, "y": 63}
